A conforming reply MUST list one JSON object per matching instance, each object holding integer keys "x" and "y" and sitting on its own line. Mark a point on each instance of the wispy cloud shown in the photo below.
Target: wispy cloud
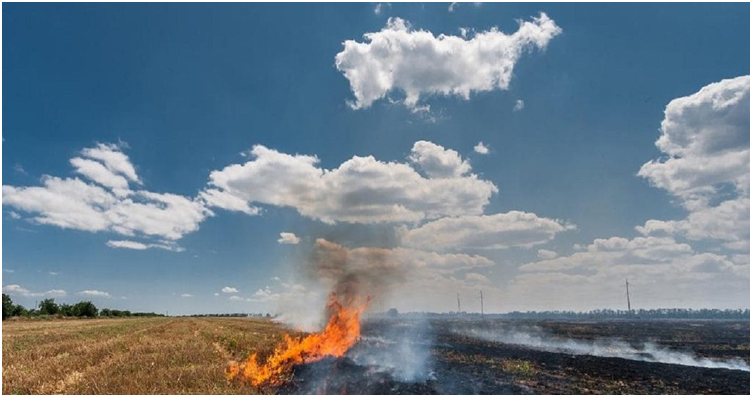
{"x": 288, "y": 238}
{"x": 135, "y": 245}
{"x": 481, "y": 148}
{"x": 518, "y": 105}
{"x": 94, "y": 293}
{"x": 17, "y": 290}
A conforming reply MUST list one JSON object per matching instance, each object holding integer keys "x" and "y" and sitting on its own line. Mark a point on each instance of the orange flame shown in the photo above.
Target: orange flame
{"x": 341, "y": 332}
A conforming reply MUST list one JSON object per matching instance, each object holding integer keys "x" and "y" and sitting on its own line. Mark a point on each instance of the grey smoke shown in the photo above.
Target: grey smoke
{"x": 403, "y": 350}
{"x": 648, "y": 351}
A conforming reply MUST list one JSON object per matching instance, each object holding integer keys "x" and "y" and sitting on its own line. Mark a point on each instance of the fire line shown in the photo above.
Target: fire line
{"x": 342, "y": 331}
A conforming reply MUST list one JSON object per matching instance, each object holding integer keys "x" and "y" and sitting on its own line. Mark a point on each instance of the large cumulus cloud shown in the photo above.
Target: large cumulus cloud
{"x": 360, "y": 190}
{"x": 705, "y": 137}
{"x": 418, "y": 63}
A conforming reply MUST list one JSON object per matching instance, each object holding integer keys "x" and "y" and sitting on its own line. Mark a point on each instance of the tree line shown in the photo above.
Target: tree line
{"x": 697, "y": 314}
{"x": 48, "y": 307}
{"x": 598, "y": 314}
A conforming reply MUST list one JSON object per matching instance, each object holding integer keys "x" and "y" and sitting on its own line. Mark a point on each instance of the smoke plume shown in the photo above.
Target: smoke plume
{"x": 535, "y": 338}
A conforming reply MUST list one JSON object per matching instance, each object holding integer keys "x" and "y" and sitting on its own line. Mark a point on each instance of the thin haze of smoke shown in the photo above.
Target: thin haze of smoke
{"x": 401, "y": 350}
{"x": 649, "y": 351}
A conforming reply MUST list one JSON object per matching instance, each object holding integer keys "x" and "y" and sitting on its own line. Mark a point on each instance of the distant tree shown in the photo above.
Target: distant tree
{"x": 7, "y": 306}
{"x": 20, "y": 311}
{"x": 48, "y": 306}
{"x": 393, "y": 313}
{"x": 85, "y": 309}
{"x": 66, "y": 310}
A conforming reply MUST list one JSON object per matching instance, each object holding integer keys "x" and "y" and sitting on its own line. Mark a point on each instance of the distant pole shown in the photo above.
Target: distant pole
{"x": 459, "y": 310}
{"x": 481, "y": 303}
{"x": 629, "y": 304}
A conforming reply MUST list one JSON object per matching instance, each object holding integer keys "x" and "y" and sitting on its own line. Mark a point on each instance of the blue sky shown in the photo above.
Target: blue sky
{"x": 183, "y": 90}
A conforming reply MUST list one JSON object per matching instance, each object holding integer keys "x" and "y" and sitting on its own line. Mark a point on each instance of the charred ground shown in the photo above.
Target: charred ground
{"x": 459, "y": 364}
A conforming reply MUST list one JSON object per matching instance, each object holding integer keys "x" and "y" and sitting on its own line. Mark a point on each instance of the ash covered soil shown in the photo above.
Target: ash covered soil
{"x": 479, "y": 357}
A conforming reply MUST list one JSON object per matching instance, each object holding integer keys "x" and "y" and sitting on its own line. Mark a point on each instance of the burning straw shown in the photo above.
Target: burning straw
{"x": 341, "y": 332}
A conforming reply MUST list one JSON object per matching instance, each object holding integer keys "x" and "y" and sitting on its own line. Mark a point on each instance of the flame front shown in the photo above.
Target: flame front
{"x": 341, "y": 332}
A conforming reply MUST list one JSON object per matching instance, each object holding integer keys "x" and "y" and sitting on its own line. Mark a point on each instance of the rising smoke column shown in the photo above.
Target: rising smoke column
{"x": 353, "y": 279}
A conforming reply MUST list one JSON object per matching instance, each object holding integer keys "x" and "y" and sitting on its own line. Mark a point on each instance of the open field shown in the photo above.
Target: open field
{"x": 129, "y": 356}
{"x": 189, "y": 355}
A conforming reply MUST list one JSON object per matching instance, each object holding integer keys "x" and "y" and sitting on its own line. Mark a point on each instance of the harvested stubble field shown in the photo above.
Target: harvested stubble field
{"x": 130, "y": 356}
{"x": 189, "y": 356}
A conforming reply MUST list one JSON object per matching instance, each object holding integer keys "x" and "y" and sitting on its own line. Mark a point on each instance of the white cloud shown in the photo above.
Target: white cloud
{"x": 661, "y": 271}
{"x": 452, "y": 6}
{"x": 477, "y": 278}
{"x": 14, "y": 215}
{"x": 229, "y": 290}
{"x": 727, "y": 221}
{"x": 112, "y": 156}
{"x": 360, "y": 190}
{"x": 220, "y": 199}
{"x": 95, "y": 293}
{"x": 107, "y": 204}
{"x": 705, "y": 137}
{"x": 67, "y": 203}
{"x": 288, "y": 238}
{"x": 17, "y": 290}
{"x": 547, "y": 254}
{"x": 100, "y": 174}
{"x": 438, "y": 162}
{"x": 8, "y": 270}
{"x": 186, "y": 296}
{"x": 53, "y": 273}
{"x": 236, "y": 298}
{"x": 498, "y": 231}
{"x": 264, "y": 295}
{"x": 647, "y": 252}
{"x": 518, "y": 105}
{"x": 162, "y": 214}
{"x": 481, "y": 148}
{"x": 216, "y": 294}
{"x": 419, "y": 64}
{"x": 379, "y": 8}
{"x": 135, "y": 245}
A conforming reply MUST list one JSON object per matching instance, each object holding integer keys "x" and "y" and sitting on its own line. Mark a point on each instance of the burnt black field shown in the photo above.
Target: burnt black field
{"x": 444, "y": 357}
